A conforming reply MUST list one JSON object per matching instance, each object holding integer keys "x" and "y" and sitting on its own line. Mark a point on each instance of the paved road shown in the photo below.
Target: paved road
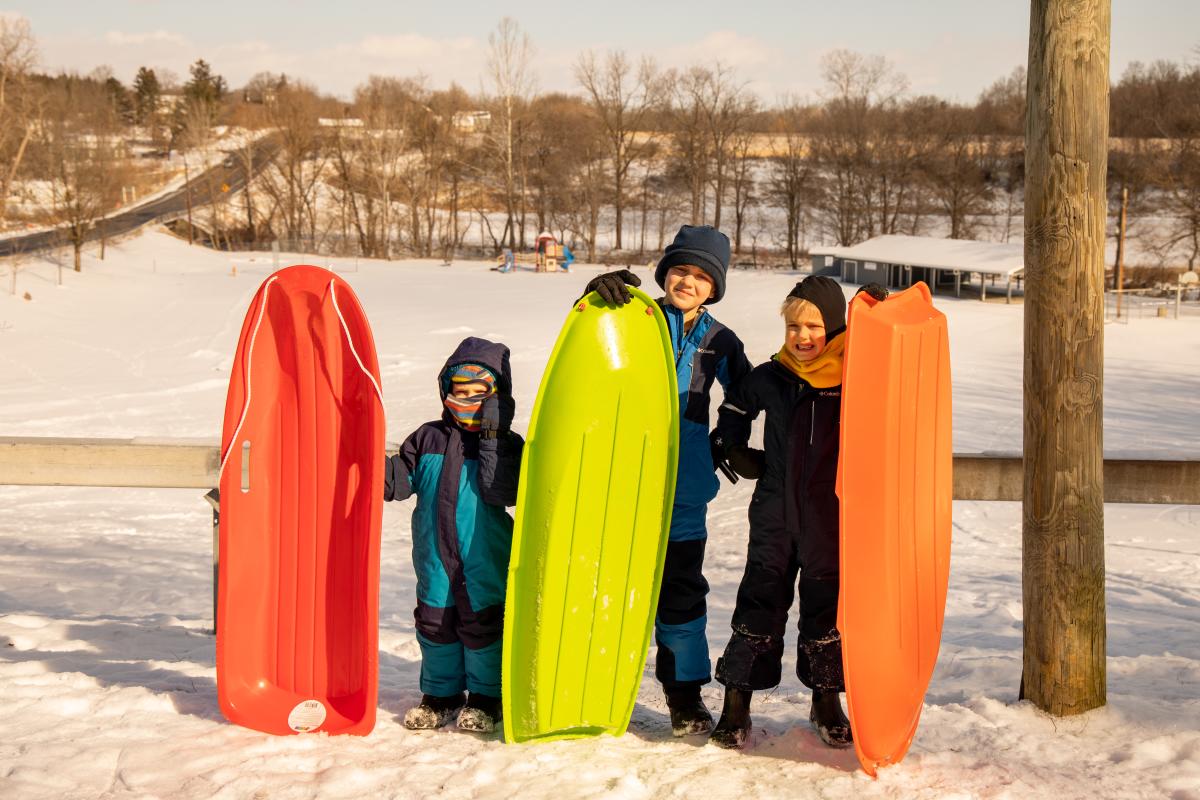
{"x": 169, "y": 205}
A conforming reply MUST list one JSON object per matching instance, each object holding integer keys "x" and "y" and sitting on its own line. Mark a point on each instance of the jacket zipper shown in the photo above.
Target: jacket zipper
{"x": 683, "y": 335}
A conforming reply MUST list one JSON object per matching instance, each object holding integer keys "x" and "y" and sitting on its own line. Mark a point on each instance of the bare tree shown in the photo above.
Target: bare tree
{"x": 691, "y": 146}
{"x": 725, "y": 107}
{"x": 20, "y": 102}
{"x": 79, "y": 161}
{"x": 448, "y": 149}
{"x": 651, "y": 181}
{"x": 465, "y": 152}
{"x": 1001, "y": 106}
{"x": 562, "y": 139}
{"x": 430, "y": 166}
{"x": 623, "y": 96}
{"x": 861, "y": 80}
{"x": 293, "y": 177}
{"x": 358, "y": 203}
{"x": 864, "y": 147}
{"x": 585, "y": 182}
{"x": 193, "y": 138}
{"x": 384, "y": 106}
{"x": 742, "y": 159}
{"x": 957, "y": 169}
{"x": 250, "y": 117}
{"x": 792, "y": 178}
{"x": 1181, "y": 200}
{"x": 837, "y": 146}
{"x": 111, "y": 157}
{"x": 508, "y": 67}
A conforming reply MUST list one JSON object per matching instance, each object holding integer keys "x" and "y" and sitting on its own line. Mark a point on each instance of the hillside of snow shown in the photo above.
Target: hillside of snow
{"x": 107, "y": 676}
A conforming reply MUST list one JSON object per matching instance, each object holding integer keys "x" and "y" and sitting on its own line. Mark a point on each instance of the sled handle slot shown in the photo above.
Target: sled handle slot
{"x": 245, "y": 466}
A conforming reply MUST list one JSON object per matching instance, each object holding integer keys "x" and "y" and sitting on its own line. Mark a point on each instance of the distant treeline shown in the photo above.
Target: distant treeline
{"x": 401, "y": 167}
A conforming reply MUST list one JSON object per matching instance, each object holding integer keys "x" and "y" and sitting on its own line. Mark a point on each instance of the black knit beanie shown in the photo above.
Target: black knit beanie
{"x": 700, "y": 245}
{"x": 826, "y": 294}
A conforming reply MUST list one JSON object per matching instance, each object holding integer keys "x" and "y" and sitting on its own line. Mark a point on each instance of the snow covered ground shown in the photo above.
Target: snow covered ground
{"x": 107, "y": 678}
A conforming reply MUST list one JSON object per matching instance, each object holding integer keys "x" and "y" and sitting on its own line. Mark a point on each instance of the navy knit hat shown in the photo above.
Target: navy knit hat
{"x": 699, "y": 245}
{"x": 826, "y": 294}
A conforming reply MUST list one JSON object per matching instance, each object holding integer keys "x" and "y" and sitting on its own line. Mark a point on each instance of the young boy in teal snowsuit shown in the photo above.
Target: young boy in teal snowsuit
{"x": 463, "y": 468}
{"x": 692, "y": 275}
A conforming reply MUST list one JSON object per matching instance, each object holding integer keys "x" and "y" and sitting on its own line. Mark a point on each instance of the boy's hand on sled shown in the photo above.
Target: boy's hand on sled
{"x": 747, "y": 462}
{"x": 495, "y": 415}
{"x": 874, "y": 290}
{"x": 612, "y": 288}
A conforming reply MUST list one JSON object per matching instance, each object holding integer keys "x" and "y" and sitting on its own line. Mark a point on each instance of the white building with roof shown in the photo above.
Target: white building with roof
{"x": 900, "y": 261}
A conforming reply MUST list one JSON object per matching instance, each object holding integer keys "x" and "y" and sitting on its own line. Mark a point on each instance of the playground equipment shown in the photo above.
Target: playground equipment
{"x": 547, "y": 256}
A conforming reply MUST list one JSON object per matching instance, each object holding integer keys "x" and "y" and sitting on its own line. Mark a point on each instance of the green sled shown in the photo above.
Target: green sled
{"x": 590, "y": 533}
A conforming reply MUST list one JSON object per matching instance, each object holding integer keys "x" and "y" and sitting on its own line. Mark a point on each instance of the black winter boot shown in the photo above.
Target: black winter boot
{"x": 689, "y": 715}
{"x": 481, "y": 714}
{"x": 829, "y": 720}
{"x": 733, "y": 731}
{"x": 434, "y": 712}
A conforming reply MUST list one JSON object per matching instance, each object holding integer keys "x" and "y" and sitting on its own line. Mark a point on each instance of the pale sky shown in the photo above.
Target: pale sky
{"x": 951, "y": 48}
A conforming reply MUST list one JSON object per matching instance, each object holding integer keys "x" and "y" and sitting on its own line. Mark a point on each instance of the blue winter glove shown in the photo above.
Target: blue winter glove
{"x": 611, "y": 286}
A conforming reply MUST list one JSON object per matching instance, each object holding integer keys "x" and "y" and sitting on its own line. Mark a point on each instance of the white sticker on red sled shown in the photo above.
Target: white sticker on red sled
{"x": 307, "y": 716}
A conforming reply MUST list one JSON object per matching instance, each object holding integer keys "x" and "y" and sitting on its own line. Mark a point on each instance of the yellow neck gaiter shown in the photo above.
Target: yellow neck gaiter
{"x": 822, "y": 372}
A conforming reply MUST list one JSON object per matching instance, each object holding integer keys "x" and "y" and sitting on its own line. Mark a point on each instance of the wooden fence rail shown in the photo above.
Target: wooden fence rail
{"x": 182, "y": 464}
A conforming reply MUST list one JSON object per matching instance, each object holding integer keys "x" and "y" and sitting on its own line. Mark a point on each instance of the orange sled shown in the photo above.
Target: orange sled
{"x": 894, "y": 483}
{"x": 301, "y": 503}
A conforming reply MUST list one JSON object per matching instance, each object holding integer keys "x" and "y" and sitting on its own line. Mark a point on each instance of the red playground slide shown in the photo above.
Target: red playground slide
{"x": 301, "y": 504}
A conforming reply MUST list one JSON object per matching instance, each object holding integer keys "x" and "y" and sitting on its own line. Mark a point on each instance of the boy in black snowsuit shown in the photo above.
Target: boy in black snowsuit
{"x": 691, "y": 274}
{"x": 794, "y": 514}
{"x": 463, "y": 468}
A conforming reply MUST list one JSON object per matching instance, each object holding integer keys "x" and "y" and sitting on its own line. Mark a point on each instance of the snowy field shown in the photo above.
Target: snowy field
{"x": 107, "y": 677}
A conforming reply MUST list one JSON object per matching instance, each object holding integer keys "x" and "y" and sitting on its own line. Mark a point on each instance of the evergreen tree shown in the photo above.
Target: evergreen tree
{"x": 201, "y": 100}
{"x": 146, "y": 94}
{"x": 118, "y": 97}
{"x": 204, "y": 87}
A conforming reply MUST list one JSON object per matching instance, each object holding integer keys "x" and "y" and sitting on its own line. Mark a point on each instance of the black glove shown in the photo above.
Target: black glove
{"x": 874, "y": 290}
{"x": 747, "y": 462}
{"x": 717, "y": 446}
{"x": 611, "y": 286}
{"x": 496, "y": 415}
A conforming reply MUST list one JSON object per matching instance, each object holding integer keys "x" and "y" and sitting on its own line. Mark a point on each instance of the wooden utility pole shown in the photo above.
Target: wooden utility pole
{"x": 1119, "y": 277}
{"x": 1066, "y": 161}
{"x": 187, "y": 194}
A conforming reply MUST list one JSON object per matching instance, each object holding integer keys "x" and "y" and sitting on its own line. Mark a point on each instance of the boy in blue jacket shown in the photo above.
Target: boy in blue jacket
{"x": 463, "y": 468}
{"x": 692, "y": 275}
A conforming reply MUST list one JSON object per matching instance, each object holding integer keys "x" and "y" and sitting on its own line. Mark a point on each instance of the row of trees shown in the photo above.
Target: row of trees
{"x": 72, "y": 137}
{"x": 637, "y": 150}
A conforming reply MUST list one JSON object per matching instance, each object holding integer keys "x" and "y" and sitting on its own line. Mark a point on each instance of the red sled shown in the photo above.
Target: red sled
{"x": 301, "y": 503}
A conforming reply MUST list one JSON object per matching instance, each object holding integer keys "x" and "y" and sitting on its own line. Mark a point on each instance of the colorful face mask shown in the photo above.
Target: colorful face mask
{"x": 466, "y": 411}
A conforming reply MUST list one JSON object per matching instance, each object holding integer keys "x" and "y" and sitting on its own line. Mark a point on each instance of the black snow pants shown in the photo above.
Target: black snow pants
{"x": 776, "y": 555}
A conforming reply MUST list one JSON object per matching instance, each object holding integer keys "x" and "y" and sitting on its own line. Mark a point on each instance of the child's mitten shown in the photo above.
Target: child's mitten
{"x": 495, "y": 415}
{"x": 747, "y": 462}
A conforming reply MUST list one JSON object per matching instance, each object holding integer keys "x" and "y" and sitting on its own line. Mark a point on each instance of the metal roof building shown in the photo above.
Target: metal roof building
{"x": 900, "y": 261}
